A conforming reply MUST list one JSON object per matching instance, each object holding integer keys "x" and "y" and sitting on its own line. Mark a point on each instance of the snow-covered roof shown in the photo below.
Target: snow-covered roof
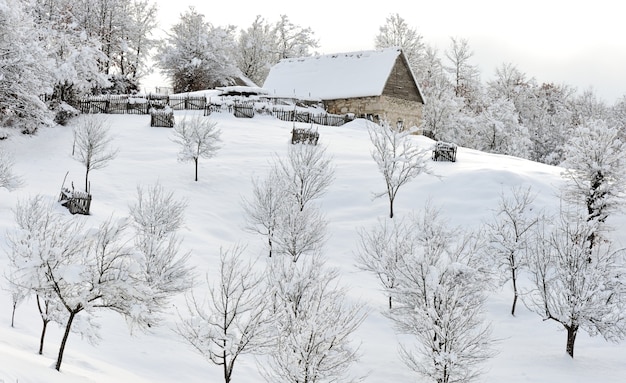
{"x": 334, "y": 76}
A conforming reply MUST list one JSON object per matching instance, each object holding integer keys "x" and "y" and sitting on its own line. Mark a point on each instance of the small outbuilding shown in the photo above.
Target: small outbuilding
{"x": 376, "y": 84}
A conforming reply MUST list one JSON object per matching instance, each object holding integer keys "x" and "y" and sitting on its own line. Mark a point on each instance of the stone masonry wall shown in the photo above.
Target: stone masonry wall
{"x": 380, "y": 107}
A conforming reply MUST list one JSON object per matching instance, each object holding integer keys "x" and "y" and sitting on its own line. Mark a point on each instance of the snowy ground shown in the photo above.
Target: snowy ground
{"x": 530, "y": 350}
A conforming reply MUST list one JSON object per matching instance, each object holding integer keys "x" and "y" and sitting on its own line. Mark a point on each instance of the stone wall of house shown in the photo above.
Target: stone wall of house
{"x": 363, "y": 106}
{"x": 409, "y": 113}
{"x": 377, "y": 108}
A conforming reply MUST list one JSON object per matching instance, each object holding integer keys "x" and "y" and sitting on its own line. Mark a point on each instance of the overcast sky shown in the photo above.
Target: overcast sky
{"x": 581, "y": 44}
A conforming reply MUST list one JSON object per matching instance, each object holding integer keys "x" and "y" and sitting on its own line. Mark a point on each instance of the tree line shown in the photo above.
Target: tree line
{"x": 511, "y": 114}
{"x": 66, "y": 49}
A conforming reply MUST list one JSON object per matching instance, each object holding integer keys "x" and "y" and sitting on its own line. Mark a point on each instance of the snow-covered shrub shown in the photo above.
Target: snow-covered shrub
{"x": 63, "y": 113}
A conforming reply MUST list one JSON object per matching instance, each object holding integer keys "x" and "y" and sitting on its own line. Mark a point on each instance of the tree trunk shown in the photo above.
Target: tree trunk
{"x": 571, "y": 338}
{"x": 390, "y": 208}
{"x": 68, "y": 326}
{"x": 87, "y": 181}
{"x": 43, "y": 335}
{"x": 515, "y": 295}
{"x": 390, "y": 302}
{"x": 13, "y": 314}
{"x": 195, "y": 160}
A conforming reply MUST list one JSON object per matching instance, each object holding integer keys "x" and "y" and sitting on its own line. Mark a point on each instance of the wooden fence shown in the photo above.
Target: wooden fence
{"x": 243, "y": 110}
{"x": 310, "y": 118}
{"x": 124, "y": 104}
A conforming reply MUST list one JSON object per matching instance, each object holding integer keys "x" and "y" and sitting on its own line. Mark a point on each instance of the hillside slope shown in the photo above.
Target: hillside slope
{"x": 530, "y": 350}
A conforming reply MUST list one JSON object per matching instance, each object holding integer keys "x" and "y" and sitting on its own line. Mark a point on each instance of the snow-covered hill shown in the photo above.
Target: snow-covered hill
{"x": 529, "y": 349}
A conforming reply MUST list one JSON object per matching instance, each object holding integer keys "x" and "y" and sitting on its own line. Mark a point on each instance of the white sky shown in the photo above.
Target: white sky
{"x": 573, "y": 42}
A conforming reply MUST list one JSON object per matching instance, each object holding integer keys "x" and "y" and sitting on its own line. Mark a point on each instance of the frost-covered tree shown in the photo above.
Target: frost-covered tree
{"x": 135, "y": 40}
{"x": 595, "y": 167}
{"x": 588, "y": 107}
{"x": 280, "y": 208}
{"x": 441, "y": 115}
{"x": 24, "y": 70}
{"x": 94, "y": 42}
{"x": 75, "y": 53}
{"x": 256, "y": 50}
{"x": 440, "y": 301}
{"x": 397, "y": 33}
{"x": 8, "y": 178}
{"x": 399, "y": 160}
{"x": 548, "y": 117}
{"x": 292, "y": 40}
{"x": 264, "y": 208}
{"x": 42, "y": 235}
{"x": 18, "y": 293}
{"x": 465, "y": 76}
{"x": 77, "y": 270}
{"x": 509, "y": 234}
{"x": 156, "y": 216}
{"x": 157, "y": 212}
{"x": 509, "y": 83}
{"x": 313, "y": 324}
{"x": 196, "y": 55}
{"x": 299, "y": 231}
{"x": 233, "y": 319}
{"x": 618, "y": 115}
{"x": 382, "y": 250}
{"x": 306, "y": 173}
{"x": 499, "y": 130}
{"x": 198, "y": 137}
{"x": 577, "y": 285}
{"x": 92, "y": 144}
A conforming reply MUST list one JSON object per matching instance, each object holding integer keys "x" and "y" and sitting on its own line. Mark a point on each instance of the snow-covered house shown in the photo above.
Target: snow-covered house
{"x": 378, "y": 84}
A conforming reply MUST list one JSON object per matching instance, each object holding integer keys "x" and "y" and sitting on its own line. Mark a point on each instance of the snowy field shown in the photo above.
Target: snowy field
{"x": 529, "y": 349}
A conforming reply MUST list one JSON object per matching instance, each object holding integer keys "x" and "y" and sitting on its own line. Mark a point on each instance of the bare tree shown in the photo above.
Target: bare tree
{"x": 75, "y": 270}
{"x": 306, "y": 173}
{"x": 313, "y": 322}
{"x": 577, "y": 285}
{"x": 280, "y": 207}
{"x": 156, "y": 212}
{"x": 382, "y": 251}
{"x": 256, "y": 50}
{"x": 198, "y": 137}
{"x": 397, "y": 33}
{"x": 509, "y": 235}
{"x": 234, "y": 321}
{"x": 8, "y": 179}
{"x": 157, "y": 216}
{"x": 292, "y": 40}
{"x": 299, "y": 232}
{"x": 92, "y": 144}
{"x": 264, "y": 208}
{"x": 440, "y": 301}
{"x": 41, "y": 240}
{"x": 397, "y": 157}
{"x": 465, "y": 76}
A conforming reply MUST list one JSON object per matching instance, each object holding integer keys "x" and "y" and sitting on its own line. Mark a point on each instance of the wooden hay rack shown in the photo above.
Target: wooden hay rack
{"x": 77, "y": 202}
{"x": 444, "y": 151}
{"x": 162, "y": 118}
{"x": 304, "y": 136}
